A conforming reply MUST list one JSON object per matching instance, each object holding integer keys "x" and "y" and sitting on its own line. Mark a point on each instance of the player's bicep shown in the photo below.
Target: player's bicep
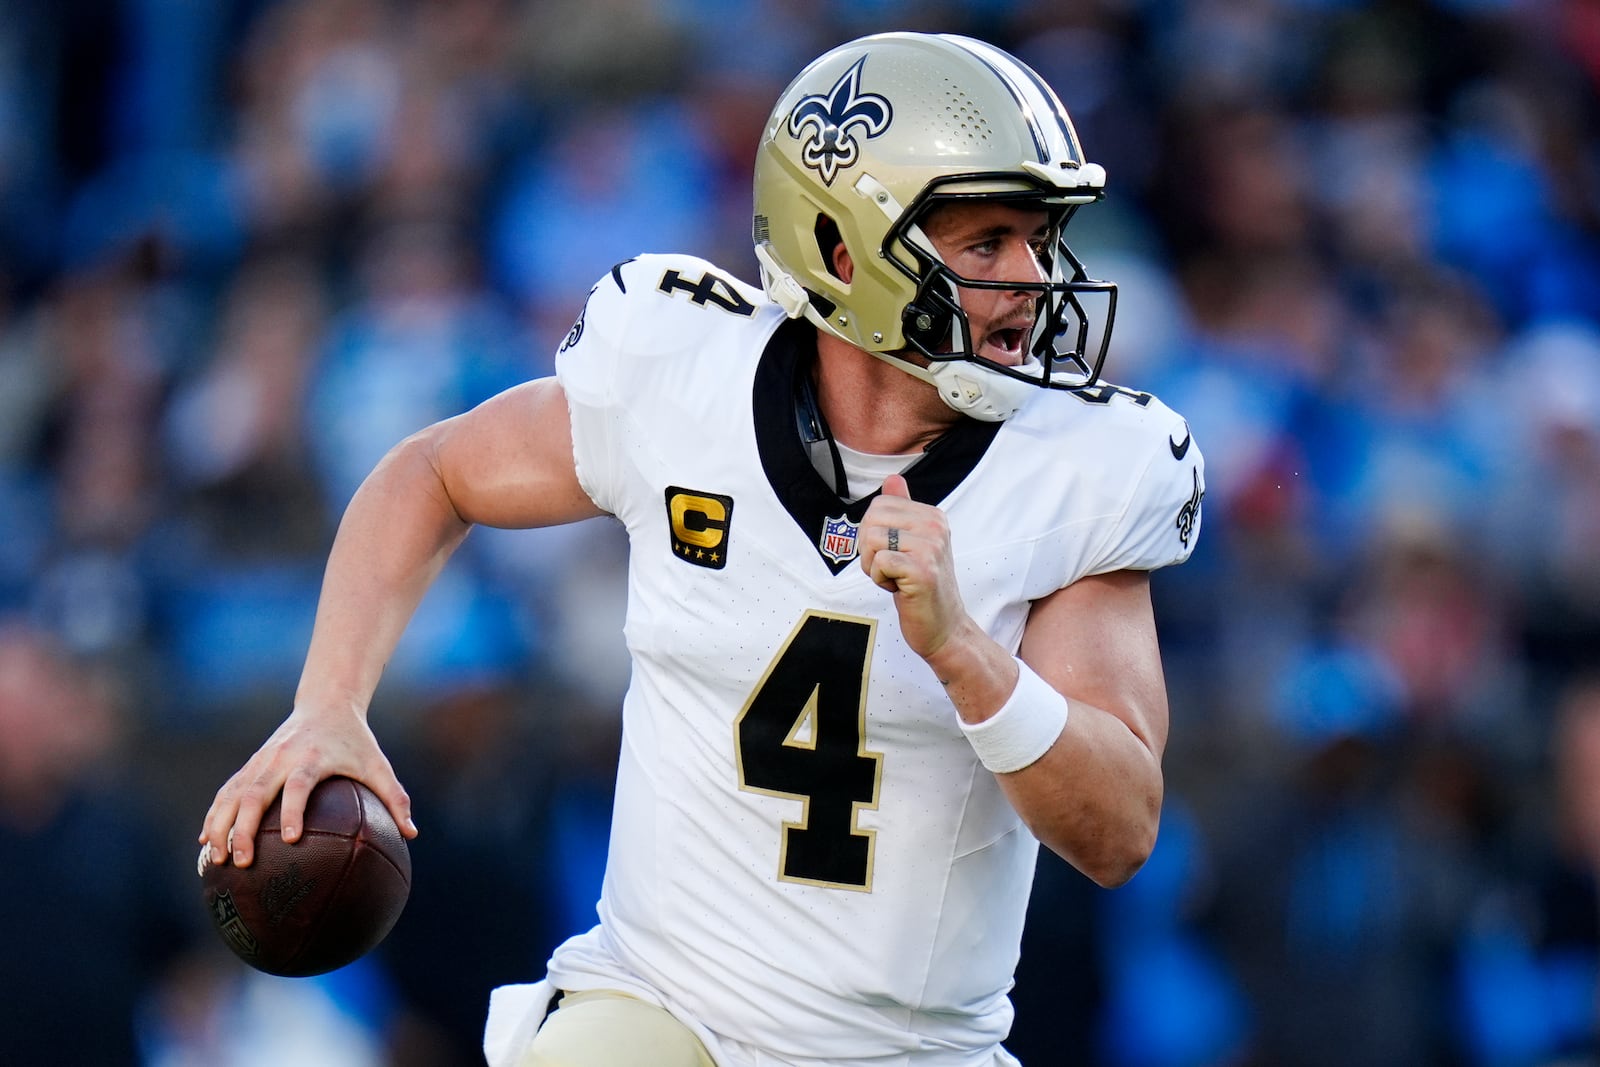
{"x": 508, "y": 462}
{"x": 1095, "y": 641}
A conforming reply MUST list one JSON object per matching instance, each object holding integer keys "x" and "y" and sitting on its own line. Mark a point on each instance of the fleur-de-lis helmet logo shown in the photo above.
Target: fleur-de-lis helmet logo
{"x": 830, "y": 126}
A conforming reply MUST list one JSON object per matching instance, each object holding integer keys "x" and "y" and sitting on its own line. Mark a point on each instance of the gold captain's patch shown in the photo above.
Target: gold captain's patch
{"x": 700, "y": 524}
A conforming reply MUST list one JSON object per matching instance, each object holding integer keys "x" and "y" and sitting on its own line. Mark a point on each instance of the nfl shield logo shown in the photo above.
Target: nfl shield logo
{"x": 839, "y": 539}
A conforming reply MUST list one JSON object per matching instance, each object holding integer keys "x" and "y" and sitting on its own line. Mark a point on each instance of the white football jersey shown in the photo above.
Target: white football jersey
{"x": 806, "y": 856}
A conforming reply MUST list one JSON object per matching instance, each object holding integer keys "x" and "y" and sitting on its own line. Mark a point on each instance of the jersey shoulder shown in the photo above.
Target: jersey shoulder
{"x": 1108, "y": 407}
{"x": 1137, "y": 461}
{"x": 1125, "y": 429}
{"x": 655, "y": 306}
{"x": 664, "y": 343}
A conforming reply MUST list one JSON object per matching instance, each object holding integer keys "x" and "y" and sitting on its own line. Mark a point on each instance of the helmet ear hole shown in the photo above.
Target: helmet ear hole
{"x": 828, "y": 241}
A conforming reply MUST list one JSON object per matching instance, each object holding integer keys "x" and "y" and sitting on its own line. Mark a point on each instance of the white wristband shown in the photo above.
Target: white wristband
{"x": 1024, "y": 728}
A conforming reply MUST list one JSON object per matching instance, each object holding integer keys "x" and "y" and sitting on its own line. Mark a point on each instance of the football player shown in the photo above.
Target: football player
{"x": 889, "y": 605}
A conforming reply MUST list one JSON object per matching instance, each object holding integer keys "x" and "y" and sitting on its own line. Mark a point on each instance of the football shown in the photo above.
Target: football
{"x": 323, "y": 902}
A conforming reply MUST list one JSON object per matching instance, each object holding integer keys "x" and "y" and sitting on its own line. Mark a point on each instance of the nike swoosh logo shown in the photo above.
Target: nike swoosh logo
{"x": 1180, "y": 449}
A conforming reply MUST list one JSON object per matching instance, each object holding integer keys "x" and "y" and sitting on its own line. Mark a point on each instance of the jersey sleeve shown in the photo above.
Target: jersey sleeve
{"x": 651, "y": 324}
{"x": 1160, "y": 523}
{"x": 587, "y": 365}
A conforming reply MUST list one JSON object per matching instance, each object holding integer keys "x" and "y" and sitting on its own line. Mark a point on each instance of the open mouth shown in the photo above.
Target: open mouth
{"x": 1007, "y": 346}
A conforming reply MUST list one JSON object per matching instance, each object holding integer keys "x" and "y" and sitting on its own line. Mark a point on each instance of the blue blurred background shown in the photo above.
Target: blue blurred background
{"x": 247, "y": 245}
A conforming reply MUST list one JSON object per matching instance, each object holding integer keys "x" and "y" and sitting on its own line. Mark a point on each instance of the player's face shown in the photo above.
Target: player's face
{"x": 994, "y": 242}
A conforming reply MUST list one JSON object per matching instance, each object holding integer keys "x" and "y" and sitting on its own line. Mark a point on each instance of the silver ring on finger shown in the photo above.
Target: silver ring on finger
{"x": 894, "y": 539}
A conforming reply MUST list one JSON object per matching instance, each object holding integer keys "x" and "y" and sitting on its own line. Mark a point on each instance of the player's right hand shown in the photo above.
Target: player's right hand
{"x": 917, "y": 566}
{"x": 305, "y": 748}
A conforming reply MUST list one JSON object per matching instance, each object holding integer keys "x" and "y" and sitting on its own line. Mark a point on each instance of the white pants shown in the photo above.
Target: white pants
{"x": 605, "y": 1029}
{"x": 610, "y": 1028}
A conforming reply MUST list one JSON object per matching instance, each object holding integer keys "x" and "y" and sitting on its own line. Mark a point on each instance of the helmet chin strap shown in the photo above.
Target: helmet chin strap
{"x": 969, "y": 388}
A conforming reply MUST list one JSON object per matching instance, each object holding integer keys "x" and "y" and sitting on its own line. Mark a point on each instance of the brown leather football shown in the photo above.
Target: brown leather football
{"x": 322, "y": 902}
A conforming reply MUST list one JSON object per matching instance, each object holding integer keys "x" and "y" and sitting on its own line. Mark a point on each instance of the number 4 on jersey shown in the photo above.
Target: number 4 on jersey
{"x": 712, "y": 288}
{"x": 802, "y": 736}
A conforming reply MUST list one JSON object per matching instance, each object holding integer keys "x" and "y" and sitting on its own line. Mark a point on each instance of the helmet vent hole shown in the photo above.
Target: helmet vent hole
{"x": 963, "y": 115}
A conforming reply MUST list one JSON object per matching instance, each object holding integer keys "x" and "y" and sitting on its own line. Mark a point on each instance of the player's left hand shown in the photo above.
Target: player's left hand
{"x": 905, "y": 549}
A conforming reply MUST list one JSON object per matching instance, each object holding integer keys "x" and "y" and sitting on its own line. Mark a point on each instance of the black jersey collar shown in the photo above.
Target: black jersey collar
{"x": 811, "y": 501}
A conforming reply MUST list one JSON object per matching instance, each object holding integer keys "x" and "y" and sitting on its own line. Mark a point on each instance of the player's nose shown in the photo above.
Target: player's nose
{"x": 1022, "y": 265}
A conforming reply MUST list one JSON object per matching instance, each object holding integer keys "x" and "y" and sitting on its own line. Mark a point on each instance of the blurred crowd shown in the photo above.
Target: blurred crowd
{"x": 246, "y": 246}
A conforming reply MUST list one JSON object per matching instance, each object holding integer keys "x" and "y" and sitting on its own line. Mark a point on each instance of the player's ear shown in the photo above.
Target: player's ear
{"x": 831, "y": 244}
{"x": 843, "y": 265}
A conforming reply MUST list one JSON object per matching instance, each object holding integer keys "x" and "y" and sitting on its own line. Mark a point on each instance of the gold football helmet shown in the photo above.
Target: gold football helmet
{"x": 860, "y": 145}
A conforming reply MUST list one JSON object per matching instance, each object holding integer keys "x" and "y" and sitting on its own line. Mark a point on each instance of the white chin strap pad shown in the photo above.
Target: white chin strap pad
{"x": 969, "y": 388}
{"x": 978, "y": 391}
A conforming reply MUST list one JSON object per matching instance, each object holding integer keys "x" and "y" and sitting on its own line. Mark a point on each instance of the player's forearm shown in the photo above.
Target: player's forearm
{"x": 977, "y": 674}
{"x": 1094, "y": 796}
{"x": 394, "y": 538}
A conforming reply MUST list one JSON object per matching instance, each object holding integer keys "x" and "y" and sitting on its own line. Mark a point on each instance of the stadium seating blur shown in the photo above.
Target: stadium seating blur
{"x": 247, "y": 245}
